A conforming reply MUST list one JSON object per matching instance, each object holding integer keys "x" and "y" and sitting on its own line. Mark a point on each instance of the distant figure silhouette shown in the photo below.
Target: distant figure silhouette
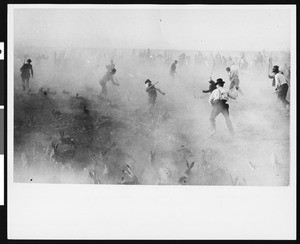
{"x": 26, "y": 70}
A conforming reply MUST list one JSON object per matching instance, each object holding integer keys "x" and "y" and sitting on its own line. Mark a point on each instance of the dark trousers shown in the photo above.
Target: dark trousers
{"x": 282, "y": 92}
{"x": 25, "y": 83}
{"x": 220, "y": 106}
{"x": 152, "y": 98}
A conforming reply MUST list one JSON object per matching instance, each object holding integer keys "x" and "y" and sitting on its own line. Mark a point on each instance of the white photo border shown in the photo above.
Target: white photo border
{"x": 62, "y": 211}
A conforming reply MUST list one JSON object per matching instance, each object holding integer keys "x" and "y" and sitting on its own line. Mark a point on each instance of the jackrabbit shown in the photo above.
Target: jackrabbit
{"x": 130, "y": 178}
{"x": 183, "y": 180}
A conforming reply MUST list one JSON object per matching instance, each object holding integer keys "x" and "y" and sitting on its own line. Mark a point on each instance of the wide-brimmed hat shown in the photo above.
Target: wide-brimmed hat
{"x": 220, "y": 81}
{"x": 275, "y": 68}
{"x": 29, "y": 61}
{"x": 147, "y": 81}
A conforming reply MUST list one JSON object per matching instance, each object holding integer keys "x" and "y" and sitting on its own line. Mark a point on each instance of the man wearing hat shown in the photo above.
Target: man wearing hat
{"x": 152, "y": 94}
{"x": 218, "y": 100}
{"x": 109, "y": 76}
{"x": 26, "y": 70}
{"x": 281, "y": 86}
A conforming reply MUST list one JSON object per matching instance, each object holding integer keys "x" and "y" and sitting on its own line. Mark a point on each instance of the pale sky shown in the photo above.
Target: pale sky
{"x": 194, "y": 29}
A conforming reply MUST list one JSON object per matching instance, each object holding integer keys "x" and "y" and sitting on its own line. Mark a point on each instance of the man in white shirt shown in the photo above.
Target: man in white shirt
{"x": 234, "y": 78}
{"x": 109, "y": 76}
{"x": 218, "y": 100}
{"x": 281, "y": 86}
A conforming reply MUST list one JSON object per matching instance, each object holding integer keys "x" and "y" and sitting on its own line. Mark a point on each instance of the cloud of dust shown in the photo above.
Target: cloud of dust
{"x": 177, "y": 130}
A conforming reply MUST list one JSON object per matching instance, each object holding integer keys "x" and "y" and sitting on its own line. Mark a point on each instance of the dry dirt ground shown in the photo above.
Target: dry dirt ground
{"x": 116, "y": 140}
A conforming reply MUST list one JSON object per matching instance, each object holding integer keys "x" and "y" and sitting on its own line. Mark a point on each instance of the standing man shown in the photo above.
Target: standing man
{"x": 281, "y": 86}
{"x": 173, "y": 69}
{"x": 26, "y": 70}
{"x": 218, "y": 101}
{"x": 152, "y": 94}
{"x": 234, "y": 79}
{"x": 109, "y": 76}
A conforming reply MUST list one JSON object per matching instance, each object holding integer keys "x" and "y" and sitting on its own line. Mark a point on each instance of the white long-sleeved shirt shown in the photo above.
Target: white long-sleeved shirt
{"x": 234, "y": 68}
{"x": 279, "y": 79}
{"x": 219, "y": 93}
{"x": 107, "y": 77}
{"x": 234, "y": 73}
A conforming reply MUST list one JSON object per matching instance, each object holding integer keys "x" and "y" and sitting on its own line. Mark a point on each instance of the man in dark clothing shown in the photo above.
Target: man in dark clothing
{"x": 152, "y": 94}
{"x": 173, "y": 69}
{"x": 212, "y": 86}
{"x": 26, "y": 70}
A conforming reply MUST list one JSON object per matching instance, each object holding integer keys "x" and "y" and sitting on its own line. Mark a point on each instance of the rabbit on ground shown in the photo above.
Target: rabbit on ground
{"x": 185, "y": 179}
{"x": 129, "y": 178}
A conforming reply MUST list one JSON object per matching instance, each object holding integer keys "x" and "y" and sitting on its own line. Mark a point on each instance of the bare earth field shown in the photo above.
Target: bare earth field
{"x": 57, "y": 141}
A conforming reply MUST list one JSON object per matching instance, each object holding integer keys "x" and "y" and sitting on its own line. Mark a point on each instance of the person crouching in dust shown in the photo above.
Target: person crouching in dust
{"x": 152, "y": 94}
{"x": 26, "y": 70}
{"x": 218, "y": 100}
{"x": 109, "y": 76}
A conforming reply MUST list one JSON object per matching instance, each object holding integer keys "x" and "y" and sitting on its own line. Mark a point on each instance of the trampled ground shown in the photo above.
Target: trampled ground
{"x": 98, "y": 144}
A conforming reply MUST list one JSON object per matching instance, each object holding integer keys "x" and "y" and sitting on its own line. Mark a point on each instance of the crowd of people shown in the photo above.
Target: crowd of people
{"x": 218, "y": 98}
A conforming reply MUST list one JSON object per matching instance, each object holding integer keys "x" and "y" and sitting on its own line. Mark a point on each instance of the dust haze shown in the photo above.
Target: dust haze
{"x": 115, "y": 139}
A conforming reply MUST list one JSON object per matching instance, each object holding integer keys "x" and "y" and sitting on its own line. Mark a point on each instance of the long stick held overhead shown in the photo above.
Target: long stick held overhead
{"x": 152, "y": 85}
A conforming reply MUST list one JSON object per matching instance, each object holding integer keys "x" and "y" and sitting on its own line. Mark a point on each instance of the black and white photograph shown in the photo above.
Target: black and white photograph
{"x": 126, "y": 97}
{"x": 152, "y": 96}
